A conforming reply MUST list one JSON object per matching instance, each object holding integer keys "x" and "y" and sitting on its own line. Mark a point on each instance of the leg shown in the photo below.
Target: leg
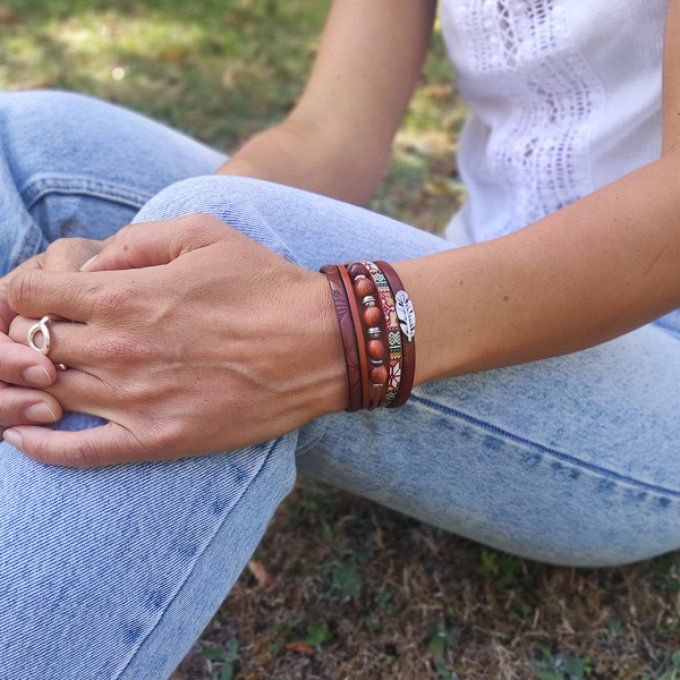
{"x": 76, "y": 166}
{"x": 112, "y": 573}
{"x": 574, "y": 460}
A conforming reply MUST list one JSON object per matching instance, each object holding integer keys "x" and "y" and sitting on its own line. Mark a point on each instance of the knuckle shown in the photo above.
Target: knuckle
{"x": 112, "y": 299}
{"x": 5, "y": 414}
{"x": 81, "y": 455}
{"x": 66, "y": 252}
{"x": 165, "y": 435}
{"x": 124, "y": 235}
{"x": 38, "y": 450}
{"x": 119, "y": 347}
{"x": 22, "y": 290}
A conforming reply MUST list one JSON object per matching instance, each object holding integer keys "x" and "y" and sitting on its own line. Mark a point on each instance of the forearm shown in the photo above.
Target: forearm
{"x": 306, "y": 156}
{"x": 592, "y": 271}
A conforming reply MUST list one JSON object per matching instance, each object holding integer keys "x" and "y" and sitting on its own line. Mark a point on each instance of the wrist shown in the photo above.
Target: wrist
{"x": 327, "y": 375}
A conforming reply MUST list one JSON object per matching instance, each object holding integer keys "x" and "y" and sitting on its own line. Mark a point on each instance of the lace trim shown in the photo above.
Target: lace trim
{"x": 540, "y": 150}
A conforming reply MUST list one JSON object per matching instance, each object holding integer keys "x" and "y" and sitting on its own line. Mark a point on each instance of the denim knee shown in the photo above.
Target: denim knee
{"x": 229, "y": 198}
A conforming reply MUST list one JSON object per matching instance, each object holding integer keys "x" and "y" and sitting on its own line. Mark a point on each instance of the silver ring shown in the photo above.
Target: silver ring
{"x": 42, "y": 328}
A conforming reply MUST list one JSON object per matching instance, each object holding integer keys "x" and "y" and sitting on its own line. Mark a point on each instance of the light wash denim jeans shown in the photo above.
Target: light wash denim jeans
{"x": 114, "y": 572}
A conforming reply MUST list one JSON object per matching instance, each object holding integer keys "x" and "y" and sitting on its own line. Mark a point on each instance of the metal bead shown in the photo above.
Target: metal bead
{"x": 373, "y": 332}
{"x": 368, "y": 301}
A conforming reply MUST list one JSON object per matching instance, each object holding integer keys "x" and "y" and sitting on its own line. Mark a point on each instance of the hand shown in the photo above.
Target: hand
{"x": 227, "y": 344}
{"x": 19, "y": 364}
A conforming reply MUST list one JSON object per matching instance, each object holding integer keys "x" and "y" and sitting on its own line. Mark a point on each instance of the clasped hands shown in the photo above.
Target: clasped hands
{"x": 187, "y": 336}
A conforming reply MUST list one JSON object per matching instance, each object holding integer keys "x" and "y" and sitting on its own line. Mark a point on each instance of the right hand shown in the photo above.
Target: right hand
{"x": 19, "y": 364}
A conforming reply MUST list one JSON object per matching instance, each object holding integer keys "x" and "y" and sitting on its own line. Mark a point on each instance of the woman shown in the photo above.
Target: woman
{"x": 544, "y": 420}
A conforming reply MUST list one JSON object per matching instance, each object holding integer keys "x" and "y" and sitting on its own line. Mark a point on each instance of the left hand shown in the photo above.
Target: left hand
{"x": 220, "y": 344}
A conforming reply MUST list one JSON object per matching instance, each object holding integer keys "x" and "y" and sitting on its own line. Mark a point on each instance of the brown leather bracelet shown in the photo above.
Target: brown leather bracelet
{"x": 408, "y": 369}
{"x": 347, "y": 334}
{"x": 361, "y": 339}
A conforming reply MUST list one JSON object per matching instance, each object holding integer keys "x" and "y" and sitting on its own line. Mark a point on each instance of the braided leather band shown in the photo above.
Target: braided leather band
{"x": 408, "y": 371}
{"x": 347, "y": 334}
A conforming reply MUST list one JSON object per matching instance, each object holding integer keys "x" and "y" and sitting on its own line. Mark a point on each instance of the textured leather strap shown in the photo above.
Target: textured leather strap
{"x": 348, "y": 335}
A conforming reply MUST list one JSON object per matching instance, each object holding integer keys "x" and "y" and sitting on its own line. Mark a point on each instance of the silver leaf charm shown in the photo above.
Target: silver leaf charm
{"x": 406, "y": 314}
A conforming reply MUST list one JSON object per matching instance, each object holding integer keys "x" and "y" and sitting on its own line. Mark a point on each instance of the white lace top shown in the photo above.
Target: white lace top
{"x": 565, "y": 96}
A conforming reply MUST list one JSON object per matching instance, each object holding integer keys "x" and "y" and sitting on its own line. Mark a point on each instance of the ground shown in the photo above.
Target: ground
{"x": 340, "y": 587}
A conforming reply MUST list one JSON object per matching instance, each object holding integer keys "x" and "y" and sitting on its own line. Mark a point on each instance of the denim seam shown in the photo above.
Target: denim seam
{"x": 616, "y": 477}
{"x": 304, "y": 450}
{"x": 184, "y": 581}
{"x": 39, "y": 187}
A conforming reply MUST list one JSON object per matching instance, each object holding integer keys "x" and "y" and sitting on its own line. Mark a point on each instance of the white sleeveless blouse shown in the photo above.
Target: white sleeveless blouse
{"x": 565, "y": 96}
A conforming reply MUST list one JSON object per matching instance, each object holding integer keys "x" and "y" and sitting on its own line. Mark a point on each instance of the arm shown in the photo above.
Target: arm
{"x": 337, "y": 139}
{"x": 590, "y": 272}
{"x": 583, "y": 275}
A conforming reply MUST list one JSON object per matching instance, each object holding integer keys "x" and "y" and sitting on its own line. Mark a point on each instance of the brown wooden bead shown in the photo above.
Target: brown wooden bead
{"x": 379, "y": 375}
{"x": 357, "y": 268}
{"x": 364, "y": 287}
{"x": 372, "y": 316}
{"x": 376, "y": 348}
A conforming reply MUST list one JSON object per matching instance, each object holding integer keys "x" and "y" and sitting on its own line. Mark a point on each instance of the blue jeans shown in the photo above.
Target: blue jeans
{"x": 114, "y": 572}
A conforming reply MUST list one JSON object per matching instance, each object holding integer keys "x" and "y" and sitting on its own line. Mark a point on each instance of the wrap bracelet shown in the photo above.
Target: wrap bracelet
{"x": 377, "y": 327}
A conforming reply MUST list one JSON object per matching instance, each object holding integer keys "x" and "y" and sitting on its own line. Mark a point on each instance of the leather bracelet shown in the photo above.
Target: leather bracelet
{"x": 361, "y": 338}
{"x": 347, "y": 334}
{"x": 407, "y": 319}
{"x": 392, "y": 332}
{"x": 377, "y": 327}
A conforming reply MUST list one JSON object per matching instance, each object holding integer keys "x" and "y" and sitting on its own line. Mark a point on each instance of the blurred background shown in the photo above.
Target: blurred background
{"x": 340, "y": 587}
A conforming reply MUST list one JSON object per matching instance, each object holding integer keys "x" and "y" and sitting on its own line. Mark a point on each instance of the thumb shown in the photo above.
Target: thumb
{"x": 147, "y": 244}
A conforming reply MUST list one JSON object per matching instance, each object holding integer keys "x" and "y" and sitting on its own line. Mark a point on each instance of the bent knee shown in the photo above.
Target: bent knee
{"x": 227, "y": 197}
{"x": 231, "y": 199}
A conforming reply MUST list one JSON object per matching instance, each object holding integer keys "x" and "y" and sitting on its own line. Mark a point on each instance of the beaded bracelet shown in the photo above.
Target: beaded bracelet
{"x": 377, "y": 327}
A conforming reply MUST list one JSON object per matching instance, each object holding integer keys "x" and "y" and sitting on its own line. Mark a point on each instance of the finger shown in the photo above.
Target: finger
{"x": 83, "y": 392}
{"x": 70, "y": 343}
{"x": 71, "y": 295}
{"x": 21, "y": 365}
{"x": 21, "y": 406}
{"x": 6, "y": 312}
{"x": 105, "y": 445}
{"x": 147, "y": 244}
{"x": 68, "y": 254}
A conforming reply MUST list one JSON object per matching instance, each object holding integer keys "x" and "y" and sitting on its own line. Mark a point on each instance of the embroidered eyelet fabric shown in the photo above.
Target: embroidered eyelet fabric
{"x": 565, "y": 96}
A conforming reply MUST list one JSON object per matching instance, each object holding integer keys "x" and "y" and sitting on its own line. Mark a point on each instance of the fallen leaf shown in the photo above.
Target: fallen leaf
{"x": 262, "y": 576}
{"x": 301, "y": 648}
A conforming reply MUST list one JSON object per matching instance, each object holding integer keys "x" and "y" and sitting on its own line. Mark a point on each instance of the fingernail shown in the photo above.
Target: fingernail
{"x": 88, "y": 264}
{"x": 38, "y": 376}
{"x": 40, "y": 413}
{"x": 12, "y": 437}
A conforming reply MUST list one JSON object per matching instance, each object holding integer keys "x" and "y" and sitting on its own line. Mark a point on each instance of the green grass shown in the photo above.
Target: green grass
{"x": 359, "y": 591}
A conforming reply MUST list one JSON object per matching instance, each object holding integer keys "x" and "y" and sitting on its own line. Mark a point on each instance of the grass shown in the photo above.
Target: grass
{"x": 355, "y": 590}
